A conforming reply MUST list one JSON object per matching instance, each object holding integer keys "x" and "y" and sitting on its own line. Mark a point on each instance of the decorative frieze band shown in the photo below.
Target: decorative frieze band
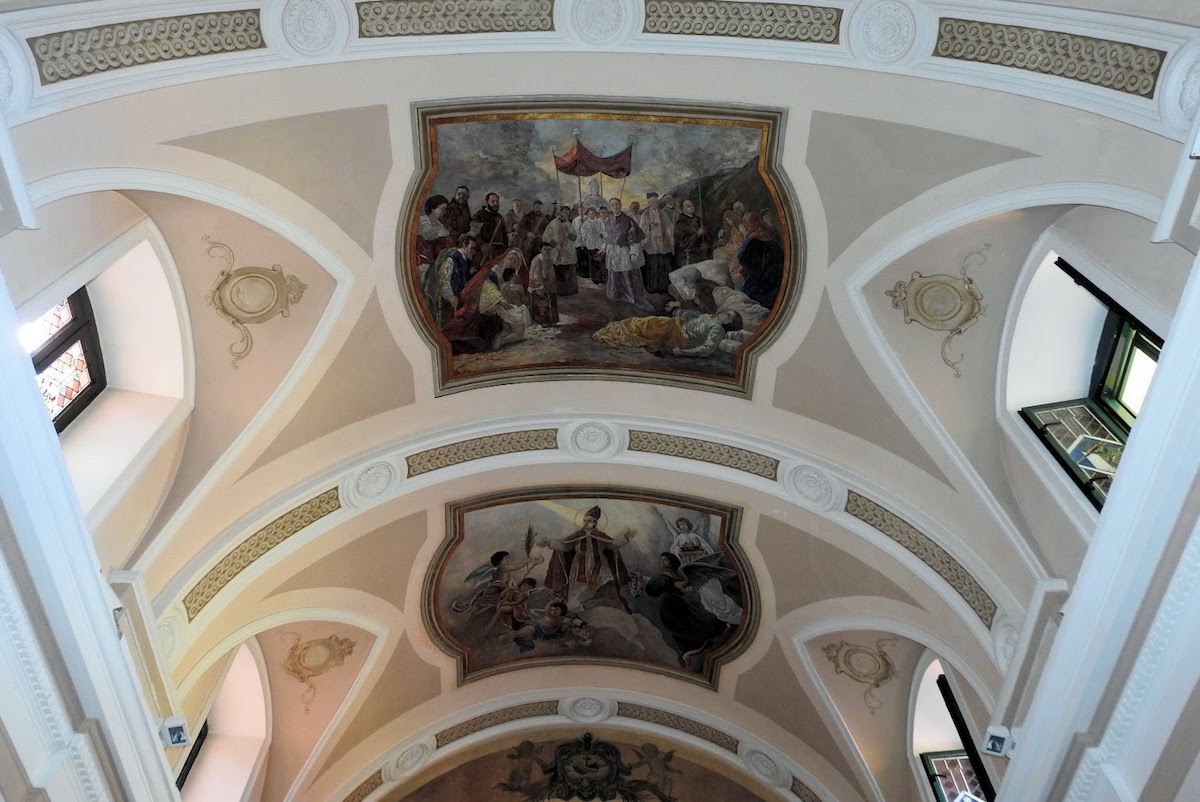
{"x": 926, "y": 551}
{"x": 779, "y": 21}
{"x": 672, "y": 445}
{"x": 386, "y": 18}
{"x": 493, "y": 445}
{"x": 85, "y": 51}
{"x": 653, "y": 715}
{"x": 256, "y": 546}
{"x": 1101, "y": 62}
{"x": 803, "y": 792}
{"x": 495, "y": 718}
{"x": 366, "y": 788}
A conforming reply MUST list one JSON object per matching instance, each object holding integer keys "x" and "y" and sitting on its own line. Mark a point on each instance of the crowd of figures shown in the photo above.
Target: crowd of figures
{"x": 692, "y": 595}
{"x": 671, "y": 285}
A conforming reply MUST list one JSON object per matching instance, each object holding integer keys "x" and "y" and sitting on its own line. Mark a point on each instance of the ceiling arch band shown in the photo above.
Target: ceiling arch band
{"x": 363, "y": 484}
{"x": 1137, "y": 70}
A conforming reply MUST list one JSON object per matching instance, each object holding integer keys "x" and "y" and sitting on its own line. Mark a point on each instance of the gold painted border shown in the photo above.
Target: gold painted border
{"x": 731, "y": 518}
{"x": 256, "y": 545}
{"x": 772, "y": 122}
{"x": 926, "y": 550}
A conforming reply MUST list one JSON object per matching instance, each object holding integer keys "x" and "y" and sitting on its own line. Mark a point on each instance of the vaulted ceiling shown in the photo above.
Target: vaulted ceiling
{"x": 880, "y": 499}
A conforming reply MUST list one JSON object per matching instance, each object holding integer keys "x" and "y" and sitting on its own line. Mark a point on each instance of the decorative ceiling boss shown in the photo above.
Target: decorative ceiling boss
{"x": 250, "y": 295}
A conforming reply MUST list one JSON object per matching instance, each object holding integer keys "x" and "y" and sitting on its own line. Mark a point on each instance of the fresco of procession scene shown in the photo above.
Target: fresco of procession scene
{"x": 583, "y": 243}
{"x": 581, "y": 575}
{"x": 587, "y": 767}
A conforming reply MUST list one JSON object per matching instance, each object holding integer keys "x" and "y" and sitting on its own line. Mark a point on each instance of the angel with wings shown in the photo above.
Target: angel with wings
{"x": 690, "y": 541}
{"x": 692, "y": 604}
{"x": 489, "y": 581}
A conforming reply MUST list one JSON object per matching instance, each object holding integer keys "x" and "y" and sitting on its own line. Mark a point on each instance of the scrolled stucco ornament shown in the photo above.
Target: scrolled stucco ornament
{"x": 312, "y": 658}
{"x": 886, "y": 31}
{"x": 309, "y": 25}
{"x": 765, "y": 767}
{"x": 870, "y": 666}
{"x": 598, "y": 21}
{"x": 250, "y": 295}
{"x": 943, "y": 303}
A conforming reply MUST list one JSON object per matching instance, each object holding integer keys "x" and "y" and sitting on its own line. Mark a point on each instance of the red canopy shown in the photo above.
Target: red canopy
{"x": 581, "y": 161}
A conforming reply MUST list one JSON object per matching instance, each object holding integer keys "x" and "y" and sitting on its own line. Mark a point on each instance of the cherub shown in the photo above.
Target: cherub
{"x": 526, "y": 755}
{"x": 511, "y": 604}
{"x": 490, "y": 580}
{"x": 658, "y": 767}
{"x": 691, "y": 540}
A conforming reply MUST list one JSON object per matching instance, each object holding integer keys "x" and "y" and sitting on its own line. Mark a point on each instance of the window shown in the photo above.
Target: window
{"x": 65, "y": 349}
{"x": 951, "y": 776}
{"x": 1087, "y": 435}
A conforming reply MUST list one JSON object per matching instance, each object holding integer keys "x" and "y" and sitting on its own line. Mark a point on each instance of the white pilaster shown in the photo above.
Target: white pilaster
{"x": 47, "y": 543}
{"x": 1153, "y": 498}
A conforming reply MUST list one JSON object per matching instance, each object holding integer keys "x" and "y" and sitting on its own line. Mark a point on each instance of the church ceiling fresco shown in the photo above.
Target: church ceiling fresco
{"x": 586, "y": 767}
{"x": 587, "y": 238}
{"x": 572, "y": 575}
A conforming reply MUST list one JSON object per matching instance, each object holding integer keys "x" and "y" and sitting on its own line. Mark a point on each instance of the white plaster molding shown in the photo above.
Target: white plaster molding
{"x": 370, "y": 485}
{"x": 97, "y": 180}
{"x": 606, "y": 26}
{"x": 910, "y": 753}
{"x": 764, "y": 763}
{"x": 385, "y": 642}
{"x": 599, "y": 22}
{"x": 172, "y": 632}
{"x": 50, "y": 537}
{"x": 310, "y": 27}
{"x": 593, "y": 440}
{"x": 409, "y": 760}
{"x": 884, "y": 31}
{"x": 1180, "y": 93}
{"x": 16, "y": 80}
{"x": 1005, "y": 639}
{"x": 588, "y": 709}
{"x": 394, "y": 453}
{"x": 1149, "y": 501}
{"x": 1132, "y": 201}
{"x": 815, "y": 489}
{"x": 753, "y": 753}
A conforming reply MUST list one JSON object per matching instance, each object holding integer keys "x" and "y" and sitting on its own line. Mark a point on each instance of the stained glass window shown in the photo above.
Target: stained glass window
{"x": 951, "y": 775}
{"x": 36, "y": 334}
{"x": 1087, "y": 435}
{"x": 65, "y": 349}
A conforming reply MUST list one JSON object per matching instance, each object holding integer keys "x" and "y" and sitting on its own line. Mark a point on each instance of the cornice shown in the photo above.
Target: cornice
{"x": 1144, "y": 72}
{"x": 234, "y": 558}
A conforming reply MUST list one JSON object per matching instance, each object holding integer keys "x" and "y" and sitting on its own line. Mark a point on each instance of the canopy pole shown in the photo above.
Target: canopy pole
{"x": 557, "y": 182}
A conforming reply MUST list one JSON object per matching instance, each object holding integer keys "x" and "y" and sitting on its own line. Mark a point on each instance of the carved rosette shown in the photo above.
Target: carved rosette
{"x": 408, "y": 761}
{"x": 592, "y": 440}
{"x": 765, "y": 768}
{"x": 310, "y": 26}
{"x": 812, "y": 488}
{"x": 598, "y": 21}
{"x": 1005, "y": 638}
{"x": 370, "y": 484}
{"x": 886, "y": 32}
{"x": 1181, "y": 88}
{"x": 588, "y": 709}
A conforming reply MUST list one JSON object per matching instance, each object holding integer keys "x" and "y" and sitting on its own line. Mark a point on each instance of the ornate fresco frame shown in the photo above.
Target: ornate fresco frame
{"x": 774, "y": 122}
{"x": 731, "y": 517}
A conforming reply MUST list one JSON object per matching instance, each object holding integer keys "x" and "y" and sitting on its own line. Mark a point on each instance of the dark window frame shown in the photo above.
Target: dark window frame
{"x": 1121, "y": 335}
{"x": 82, "y": 328}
